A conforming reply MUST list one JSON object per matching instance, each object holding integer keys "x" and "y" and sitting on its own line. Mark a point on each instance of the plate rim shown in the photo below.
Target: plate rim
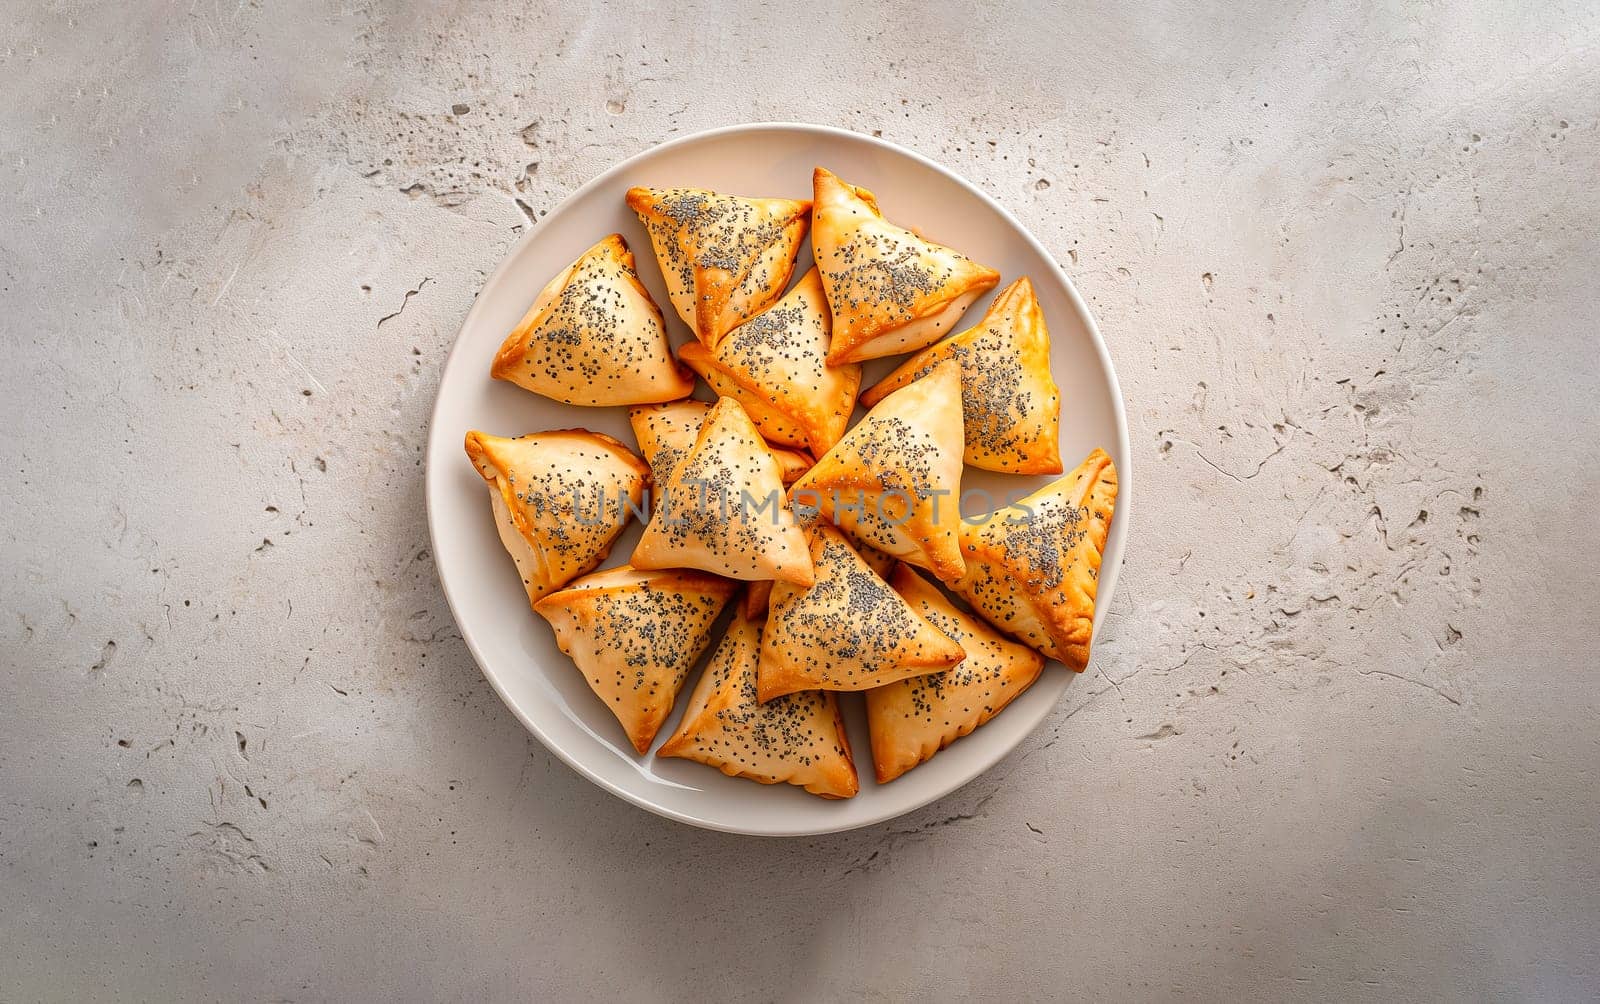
{"x": 1106, "y": 586}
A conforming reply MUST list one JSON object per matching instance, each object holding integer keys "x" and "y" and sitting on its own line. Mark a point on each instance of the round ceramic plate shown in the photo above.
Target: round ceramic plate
{"x": 514, "y": 646}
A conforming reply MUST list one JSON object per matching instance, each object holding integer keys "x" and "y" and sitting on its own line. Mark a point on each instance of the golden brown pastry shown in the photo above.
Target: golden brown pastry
{"x": 1033, "y": 567}
{"x": 721, "y": 508}
{"x": 560, "y": 498}
{"x": 894, "y": 481}
{"x": 792, "y": 464}
{"x": 635, "y": 635}
{"x": 666, "y": 431}
{"x": 1010, "y": 404}
{"x": 876, "y": 560}
{"x": 913, "y": 719}
{"x": 756, "y": 597}
{"x": 775, "y": 365}
{"x": 594, "y": 337}
{"x": 798, "y": 739}
{"x": 725, "y": 258}
{"x": 849, "y": 631}
{"x": 889, "y": 290}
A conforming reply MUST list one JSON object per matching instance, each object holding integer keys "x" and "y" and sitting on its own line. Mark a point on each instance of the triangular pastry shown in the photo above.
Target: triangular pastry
{"x": 635, "y": 635}
{"x": 725, "y": 258}
{"x": 666, "y": 431}
{"x": 913, "y": 719}
{"x": 774, "y": 364}
{"x": 1033, "y": 568}
{"x": 1009, "y": 399}
{"x": 894, "y": 481}
{"x": 560, "y": 498}
{"x": 721, "y": 508}
{"x": 594, "y": 337}
{"x": 799, "y": 739}
{"x": 889, "y": 290}
{"x": 848, "y": 631}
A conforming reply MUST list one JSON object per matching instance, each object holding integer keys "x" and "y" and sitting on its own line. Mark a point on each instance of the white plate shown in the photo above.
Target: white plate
{"x": 514, "y": 646}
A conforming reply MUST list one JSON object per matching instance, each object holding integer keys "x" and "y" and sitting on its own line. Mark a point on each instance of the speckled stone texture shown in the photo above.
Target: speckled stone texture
{"x": 1339, "y": 732}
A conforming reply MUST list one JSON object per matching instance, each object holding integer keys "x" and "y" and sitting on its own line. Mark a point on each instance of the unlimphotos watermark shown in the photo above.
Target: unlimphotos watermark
{"x": 890, "y": 507}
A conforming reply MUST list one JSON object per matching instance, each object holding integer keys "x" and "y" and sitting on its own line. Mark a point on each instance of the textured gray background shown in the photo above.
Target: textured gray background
{"x": 1340, "y": 730}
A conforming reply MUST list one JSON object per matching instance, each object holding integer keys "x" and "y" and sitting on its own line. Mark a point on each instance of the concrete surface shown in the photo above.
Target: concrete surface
{"x": 1339, "y": 735}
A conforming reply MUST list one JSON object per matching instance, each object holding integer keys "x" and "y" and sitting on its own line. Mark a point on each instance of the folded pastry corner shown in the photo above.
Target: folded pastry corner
{"x": 848, "y": 631}
{"x": 910, "y": 720}
{"x": 1010, "y": 405}
{"x": 776, "y": 365}
{"x": 725, "y": 258}
{"x": 894, "y": 481}
{"x": 1033, "y": 568}
{"x": 888, "y": 289}
{"x": 635, "y": 635}
{"x": 594, "y": 337}
{"x": 721, "y": 507}
{"x": 759, "y": 593}
{"x": 560, "y": 499}
{"x": 798, "y": 739}
{"x": 666, "y": 431}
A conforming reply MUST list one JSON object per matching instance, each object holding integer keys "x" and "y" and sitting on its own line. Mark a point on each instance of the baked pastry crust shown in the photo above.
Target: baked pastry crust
{"x": 792, "y": 464}
{"x": 759, "y": 593}
{"x": 635, "y": 635}
{"x": 560, "y": 499}
{"x": 594, "y": 337}
{"x": 1010, "y": 405}
{"x": 798, "y": 739}
{"x": 876, "y": 560}
{"x": 1033, "y": 568}
{"x": 666, "y": 431}
{"x": 894, "y": 481}
{"x": 848, "y": 631}
{"x": 889, "y": 290}
{"x": 912, "y": 719}
{"x": 725, "y": 258}
{"x": 756, "y": 598}
{"x": 775, "y": 365}
{"x": 721, "y": 507}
